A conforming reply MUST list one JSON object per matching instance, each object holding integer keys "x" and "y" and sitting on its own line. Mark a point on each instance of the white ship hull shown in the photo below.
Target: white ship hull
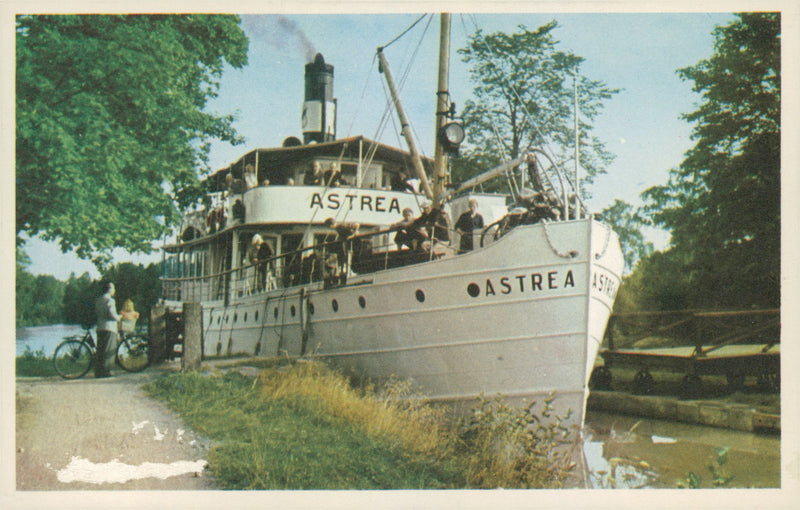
{"x": 520, "y": 317}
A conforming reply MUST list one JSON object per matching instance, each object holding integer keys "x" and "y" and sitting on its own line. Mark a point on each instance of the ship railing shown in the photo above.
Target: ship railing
{"x": 330, "y": 263}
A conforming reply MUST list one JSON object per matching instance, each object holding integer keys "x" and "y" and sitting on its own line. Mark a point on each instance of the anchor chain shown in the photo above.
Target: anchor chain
{"x": 602, "y": 253}
{"x": 569, "y": 255}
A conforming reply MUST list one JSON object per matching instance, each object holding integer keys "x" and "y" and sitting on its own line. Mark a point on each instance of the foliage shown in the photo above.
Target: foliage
{"x": 109, "y": 149}
{"x": 723, "y": 204}
{"x": 719, "y": 476}
{"x": 524, "y": 97}
{"x": 34, "y": 364}
{"x": 38, "y": 298}
{"x": 511, "y": 447}
{"x": 658, "y": 283}
{"x": 135, "y": 282}
{"x": 79, "y": 297}
{"x": 44, "y": 300}
{"x": 289, "y": 441}
{"x": 302, "y": 426}
{"x": 628, "y": 223}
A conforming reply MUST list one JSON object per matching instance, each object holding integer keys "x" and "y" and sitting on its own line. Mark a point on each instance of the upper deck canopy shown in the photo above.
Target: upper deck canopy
{"x": 272, "y": 163}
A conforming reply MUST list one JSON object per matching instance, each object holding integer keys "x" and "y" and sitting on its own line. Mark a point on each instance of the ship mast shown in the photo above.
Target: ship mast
{"x": 448, "y": 134}
{"x": 405, "y": 126}
{"x": 442, "y": 106}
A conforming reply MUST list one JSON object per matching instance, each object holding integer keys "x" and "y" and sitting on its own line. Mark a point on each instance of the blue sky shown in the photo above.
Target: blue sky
{"x": 636, "y": 52}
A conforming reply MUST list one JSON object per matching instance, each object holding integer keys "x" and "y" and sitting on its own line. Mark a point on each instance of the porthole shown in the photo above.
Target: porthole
{"x": 293, "y": 311}
{"x": 473, "y": 289}
{"x": 275, "y": 312}
{"x": 420, "y": 296}
{"x": 362, "y": 302}
{"x": 227, "y": 318}
{"x": 311, "y": 308}
{"x": 219, "y": 318}
{"x": 235, "y": 317}
{"x": 245, "y": 317}
{"x": 256, "y": 317}
{"x": 335, "y": 305}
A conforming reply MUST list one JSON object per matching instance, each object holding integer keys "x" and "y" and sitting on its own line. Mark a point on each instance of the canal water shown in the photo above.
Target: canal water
{"x": 620, "y": 451}
{"x": 627, "y": 452}
{"x": 45, "y": 338}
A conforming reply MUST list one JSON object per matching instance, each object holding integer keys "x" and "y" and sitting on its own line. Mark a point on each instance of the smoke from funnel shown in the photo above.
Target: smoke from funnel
{"x": 279, "y": 32}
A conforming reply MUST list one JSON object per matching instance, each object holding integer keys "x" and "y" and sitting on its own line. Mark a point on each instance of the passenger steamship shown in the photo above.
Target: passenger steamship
{"x": 521, "y": 315}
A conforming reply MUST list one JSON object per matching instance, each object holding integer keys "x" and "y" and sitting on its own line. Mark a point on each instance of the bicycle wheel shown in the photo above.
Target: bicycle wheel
{"x": 72, "y": 359}
{"x": 133, "y": 353}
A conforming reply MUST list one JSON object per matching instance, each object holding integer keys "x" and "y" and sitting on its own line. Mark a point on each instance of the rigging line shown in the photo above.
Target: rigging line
{"x": 405, "y": 31}
{"x": 407, "y": 73}
{"x": 360, "y": 101}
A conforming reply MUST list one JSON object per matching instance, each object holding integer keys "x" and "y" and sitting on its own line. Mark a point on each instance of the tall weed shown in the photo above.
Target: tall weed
{"x": 304, "y": 426}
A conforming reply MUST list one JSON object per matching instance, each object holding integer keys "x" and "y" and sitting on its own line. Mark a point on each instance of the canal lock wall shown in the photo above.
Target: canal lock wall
{"x": 700, "y": 412}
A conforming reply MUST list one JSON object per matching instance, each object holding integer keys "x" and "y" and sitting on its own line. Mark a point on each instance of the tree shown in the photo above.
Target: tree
{"x": 79, "y": 296}
{"x": 524, "y": 97}
{"x": 111, "y": 132}
{"x": 38, "y": 298}
{"x": 723, "y": 204}
{"x": 628, "y": 223}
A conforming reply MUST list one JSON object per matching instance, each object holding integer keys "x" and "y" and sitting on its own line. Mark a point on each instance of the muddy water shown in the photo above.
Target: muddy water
{"x": 629, "y": 452}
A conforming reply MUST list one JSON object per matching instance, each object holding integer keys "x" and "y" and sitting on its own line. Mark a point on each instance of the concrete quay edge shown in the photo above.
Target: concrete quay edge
{"x": 699, "y": 412}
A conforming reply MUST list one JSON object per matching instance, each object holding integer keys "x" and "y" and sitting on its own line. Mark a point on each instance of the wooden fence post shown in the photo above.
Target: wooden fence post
{"x": 192, "y": 336}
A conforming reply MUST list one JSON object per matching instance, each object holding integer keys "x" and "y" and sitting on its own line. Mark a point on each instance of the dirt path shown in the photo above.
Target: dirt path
{"x": 103, "y": 434}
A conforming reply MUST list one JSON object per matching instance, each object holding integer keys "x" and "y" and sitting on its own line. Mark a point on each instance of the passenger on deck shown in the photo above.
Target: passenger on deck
{"x": 399, "y": 182}
{"x": 332, "y": 176}
{"x": 313, "y": 176}
{"x": 406, "y": 234}
{"x": 467, "y": 224}
{"x": 258, "y": 254}
{"x": 345, "y": 243}
{"x": 436, "y": 224}
{"x": 250, "y": 179}
{"x": 233, "y": 185}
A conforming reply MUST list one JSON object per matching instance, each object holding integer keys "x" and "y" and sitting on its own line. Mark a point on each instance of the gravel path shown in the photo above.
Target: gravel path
{"x": 103, "y": 434}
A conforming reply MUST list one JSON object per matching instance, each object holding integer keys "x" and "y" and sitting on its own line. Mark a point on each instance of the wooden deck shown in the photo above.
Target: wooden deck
{"x": 740, "y": 359}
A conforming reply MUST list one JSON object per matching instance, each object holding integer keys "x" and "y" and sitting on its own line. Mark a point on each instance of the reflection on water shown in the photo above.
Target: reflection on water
{"x": 629, "y": 452}
{"x": 44, "y": 338}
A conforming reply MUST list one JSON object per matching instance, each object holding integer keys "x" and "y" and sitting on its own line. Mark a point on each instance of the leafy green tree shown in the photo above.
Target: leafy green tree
{"x": 112, "y": 135}
{"x": 628, "y": 223}
{"x": 23, "y": 291}
{"x": 136, "y": 282}
{"x": 38, "y": 298}
{"x": 524, "y": 97}
{"x": 722, "y": 205}
{"x": 79, "y": 296}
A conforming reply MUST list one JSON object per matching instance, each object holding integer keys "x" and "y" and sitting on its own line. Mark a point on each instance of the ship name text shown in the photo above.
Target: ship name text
{"x": 533, "y": 282}
{"x": 604, "y": 284}
{"x": 353, "y": 201}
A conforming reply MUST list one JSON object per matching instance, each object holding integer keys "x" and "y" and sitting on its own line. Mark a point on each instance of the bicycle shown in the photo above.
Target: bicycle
{"x": 74, "y": 356}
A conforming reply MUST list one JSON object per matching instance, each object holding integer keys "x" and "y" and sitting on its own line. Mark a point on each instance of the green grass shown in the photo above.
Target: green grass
{"x": 34, "y": 364}
{"x": 304, "y": 427}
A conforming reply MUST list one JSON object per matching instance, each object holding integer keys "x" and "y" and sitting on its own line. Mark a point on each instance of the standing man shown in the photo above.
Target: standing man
{"x": 466, "y": 225}
{"x": 107, "y": 318}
